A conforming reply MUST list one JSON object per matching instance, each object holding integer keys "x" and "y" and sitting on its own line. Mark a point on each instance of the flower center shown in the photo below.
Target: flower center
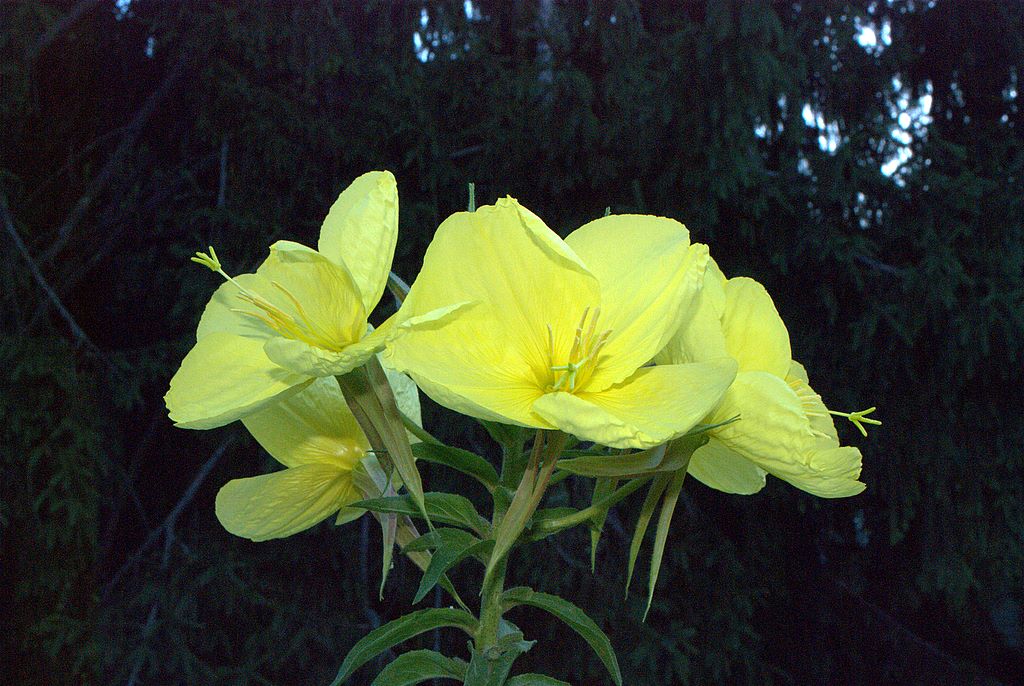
{"x": 582, "y": 358}
{"x": 296, "y": 325}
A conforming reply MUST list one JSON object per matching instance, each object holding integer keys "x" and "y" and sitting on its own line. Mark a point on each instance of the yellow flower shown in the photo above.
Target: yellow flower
{"x": 563, "y": 329}
{"x": 302, "y": 315}
{"x": 784, "y": 427}
{"x": 314, "y": 435}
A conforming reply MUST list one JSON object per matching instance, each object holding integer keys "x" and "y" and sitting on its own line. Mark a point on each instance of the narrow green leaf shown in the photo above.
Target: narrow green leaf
{"x": 460, "y": 460}
{"x": 669, "y": 457}
{"x": 535, "y": 680}
{"x": 452, "y": 547}
{"x": 389, "y": 532}
{"x": 602, "y": 489}
{"x": 418, "y": 666}
{"x": 446, "y": 508}
{"x": 575, "y": 618}
{"x": 646, "y": 512}
{"x": 402, "y": 629}
{"x": 668, "y": 506}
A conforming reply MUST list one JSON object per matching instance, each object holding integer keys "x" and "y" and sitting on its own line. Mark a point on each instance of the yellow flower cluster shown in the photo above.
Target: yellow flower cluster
{"x": 624, "y": 334}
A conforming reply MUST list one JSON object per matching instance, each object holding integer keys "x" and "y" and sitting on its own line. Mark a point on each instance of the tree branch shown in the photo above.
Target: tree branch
{"x": 19, "y": 244}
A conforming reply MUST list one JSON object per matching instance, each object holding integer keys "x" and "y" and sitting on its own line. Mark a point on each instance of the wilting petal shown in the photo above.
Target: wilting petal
{"x": 771, "y": 429}
{"x": 311, "y": 360}
{"x": 814, "y": 407}
{"x": 313, "y": 426}
{"x": 224, "y": 378}
{"x": 717, "y": 467}
{"x": 649, "y": 276}
{"x": 829, "y": 472}
{"x": 360, "y": 232}
{"x": 651, "y": 407}
{"x": 754, "y": 332}
{"x": 283, "y": 503}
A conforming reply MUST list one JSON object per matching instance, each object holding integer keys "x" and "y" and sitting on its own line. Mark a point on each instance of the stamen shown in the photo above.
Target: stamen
{"x": 859, "y": 419}
{"x": 584, "y": 351}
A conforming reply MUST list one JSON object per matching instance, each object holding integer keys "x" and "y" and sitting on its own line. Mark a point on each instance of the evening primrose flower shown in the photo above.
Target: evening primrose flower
{"x": 563, "y": 329}
{"x": 781, "y": 425}
{"x": 325, "y": 455}
{"x": 302, "y": 315}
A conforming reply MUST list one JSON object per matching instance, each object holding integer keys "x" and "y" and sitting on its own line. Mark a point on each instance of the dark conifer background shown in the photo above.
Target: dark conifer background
{"x": 135, "y": 133}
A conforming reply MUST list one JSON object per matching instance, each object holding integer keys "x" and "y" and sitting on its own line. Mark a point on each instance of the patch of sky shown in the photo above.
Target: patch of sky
{"x": 121, "y": 8}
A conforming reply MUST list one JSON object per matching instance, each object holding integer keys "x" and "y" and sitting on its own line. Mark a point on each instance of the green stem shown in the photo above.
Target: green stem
{"x": 417, "y": 430}
{"x": 490, "y": 607}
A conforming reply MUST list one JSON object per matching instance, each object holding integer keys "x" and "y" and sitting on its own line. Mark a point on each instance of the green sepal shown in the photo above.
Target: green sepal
{"x": 668, "y": 507}
{"x": 575, "y": 618}
{"x": 603, "y": 487}
{"x": 369, "y": 397}
{"x": 445, "y": 508}
{"x": 658, "y": 487}
{"x": 418, "y": 666}
{"x": 402, "y": 629}
{"x": 460, "y": 460}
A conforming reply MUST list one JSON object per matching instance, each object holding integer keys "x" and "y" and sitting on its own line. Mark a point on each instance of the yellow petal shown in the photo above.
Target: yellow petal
{"x": 313, "y": 426}
{"x": 360, "y": 232}
{"x": 717, "y": 467}
{"x": 651, "y": 407}
{"x": 464, "y": 367}
{"x": 310, "y": 360}
{"x": 649, "y": 275}
{"x": 754, "y": 332}
{"x": 226, "y": 310}
{"x": 699, "y": 336}
{"x": 503, "y": 257}
{"x": 329, "y": 308}
{"x": 283, "y": 503}
{"x": 224, "y": 378}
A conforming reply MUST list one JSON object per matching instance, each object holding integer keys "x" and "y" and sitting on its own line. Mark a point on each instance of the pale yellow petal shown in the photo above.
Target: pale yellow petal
{"x": 503, "y": 257}
{"x": 699, "y": 336}
{"x": 224, "y": 378}
{"x": 361, "y": 230}
{"x": 283, "y": 503}
{"x": 649, "y": 275}
{"x": 310, "y": 360}
{"x": 316, "y": 293}
{"x": 464, "y": 367}
{"x": 754, "y": 332}
{"x": 226, "y": 311}
{"x": 651, "y": 407}
{"x": 313, "y": 426}
{"x": 725, "y": 470}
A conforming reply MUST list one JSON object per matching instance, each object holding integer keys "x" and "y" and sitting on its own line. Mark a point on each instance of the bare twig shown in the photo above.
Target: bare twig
{"x": 19, "y": 244}
{"x": 166, "y": 527}
{"x": 879, "y": 266}
{"x": 222, "y": 188}
{"x": 116, "y": 161}
{"x": 60, "y": 26}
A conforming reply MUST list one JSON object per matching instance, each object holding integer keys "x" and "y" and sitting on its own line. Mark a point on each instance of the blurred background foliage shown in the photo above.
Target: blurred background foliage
{"x": 862, "y": 159}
